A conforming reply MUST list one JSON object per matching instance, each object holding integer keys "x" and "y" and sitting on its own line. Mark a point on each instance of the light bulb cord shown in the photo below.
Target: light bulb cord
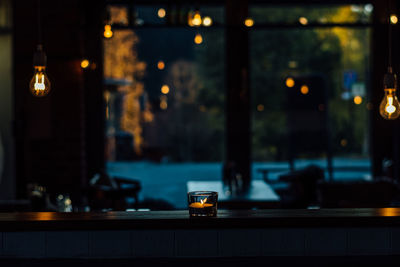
{"x": 389, "y": 38}
{"x": 39, "y": 23}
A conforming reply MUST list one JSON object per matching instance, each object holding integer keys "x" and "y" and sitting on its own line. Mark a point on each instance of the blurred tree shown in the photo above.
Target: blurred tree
{"x": 121, "y": 62}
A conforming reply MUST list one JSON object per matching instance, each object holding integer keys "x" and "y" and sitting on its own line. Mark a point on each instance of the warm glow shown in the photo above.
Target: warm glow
{"x": 249, "y": 22}
{"x": 304, "y": 89}
{"x": 260, "y": 107}
{"x": 389, "y": 107}
{"x": 389, "y": 212}
{"x": 44, "y": 216}
{"x": 207, "y": 21}
{"x": 107, "y": 31}
{"x": 190, "y": 20}
{"x": 161, "y": 13}
{"x": 196, "y": 21}
{"x": 292, "y": 64}
{"x": 357, "y": 100}
{"x": 201, "y": 204}
{"x": 165, "y": 89}
{"x": 303, "y": 20}
{"x": 163, "y": 105}
{"x": 40, "y": 84}
{"x": 198, "y": 39}
{"x": 343, "y": 142}
{"x": 289, "y": 82}
{"x": 160, "y": 65}
{"x": 163, "y": 102}
{"x": 393, "y": 19}
{"x": 84, "y": 64}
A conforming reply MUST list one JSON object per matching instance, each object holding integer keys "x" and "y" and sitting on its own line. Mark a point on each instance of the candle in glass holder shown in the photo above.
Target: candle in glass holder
{"x": 202, "y": 203}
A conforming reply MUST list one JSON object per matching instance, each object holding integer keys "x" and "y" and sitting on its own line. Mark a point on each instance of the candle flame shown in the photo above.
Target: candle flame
{"x": 202, "y": 201}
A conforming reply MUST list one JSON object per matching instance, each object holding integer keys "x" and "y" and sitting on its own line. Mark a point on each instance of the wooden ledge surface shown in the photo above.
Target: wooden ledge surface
{"x": 54, "y": 221}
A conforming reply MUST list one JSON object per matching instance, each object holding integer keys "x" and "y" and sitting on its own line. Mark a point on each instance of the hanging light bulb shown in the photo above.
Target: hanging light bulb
{"x": 390, "y": 106}
{"x": 40, "y": 84}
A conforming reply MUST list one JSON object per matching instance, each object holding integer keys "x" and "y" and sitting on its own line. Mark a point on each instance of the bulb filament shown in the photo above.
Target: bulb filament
{"x": 389, "y": 106}
{"x": 39, "y": 85}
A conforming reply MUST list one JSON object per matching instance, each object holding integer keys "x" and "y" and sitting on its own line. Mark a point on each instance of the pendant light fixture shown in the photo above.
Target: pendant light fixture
{"x": 40, "y": 85}
{"x": 390, "y": 106}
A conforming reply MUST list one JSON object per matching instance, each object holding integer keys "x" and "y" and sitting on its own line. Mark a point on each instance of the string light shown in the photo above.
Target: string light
{"x": 303, "y": 21}
{"x": 108, "y": 31}
{"x": 198, "y": 39}
{"x": 196, "y": 21}
{"x": 161, "y": 13}
{"x": 160, "y": 65}
{"x": 393, "y": 19}
{"x": 249, "y": 22}
{"x": 304, "y": 89}
{"x": 207, "y": 21}
{"x": 165, "y": 89}
{"x": 85, "y": 63}
{"x": 357, "y": 100}
{"x": 289, "y": 82}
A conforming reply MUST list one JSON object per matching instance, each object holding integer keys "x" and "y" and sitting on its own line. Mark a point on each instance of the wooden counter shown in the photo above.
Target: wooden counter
{"x": 172, "y": 234}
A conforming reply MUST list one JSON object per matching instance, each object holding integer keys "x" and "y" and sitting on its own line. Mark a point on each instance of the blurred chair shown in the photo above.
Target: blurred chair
{"x": 301, "y": 187}
{"x": 106, "y": 192}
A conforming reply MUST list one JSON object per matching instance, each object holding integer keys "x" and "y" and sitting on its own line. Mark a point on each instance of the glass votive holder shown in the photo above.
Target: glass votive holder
{"x": 202, "y": 203}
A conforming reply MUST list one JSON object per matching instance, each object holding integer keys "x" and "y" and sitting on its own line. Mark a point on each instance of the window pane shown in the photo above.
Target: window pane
{"x": 310, "y": 96}
{"x": 165, "y": 103}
